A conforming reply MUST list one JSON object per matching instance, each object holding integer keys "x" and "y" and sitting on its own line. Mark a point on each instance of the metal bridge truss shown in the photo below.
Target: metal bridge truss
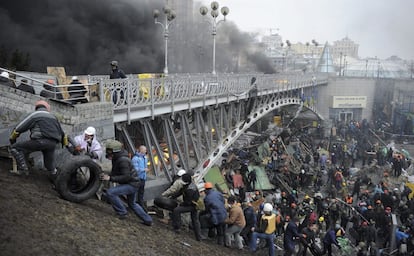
{"x": 199, "y": 136}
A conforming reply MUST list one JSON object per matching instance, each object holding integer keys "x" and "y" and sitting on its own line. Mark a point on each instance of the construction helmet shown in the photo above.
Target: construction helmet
{"x": 42, "y": 103}
{"x": 208, "y": 185}
{"x": 5, "y": 74}
{"x": 113, "y": 145}
{"x": 321, "y": 219}
{"x": 90, "y": 131}
{"x": 181, "y": 172}
{"x": 74, "y": 78}
{"x": 267, "y": 207}
{"x": 114, "y": 63}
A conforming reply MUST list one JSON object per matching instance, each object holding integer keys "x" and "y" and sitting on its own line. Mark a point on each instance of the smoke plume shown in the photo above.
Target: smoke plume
{"x": 83, "y": 36}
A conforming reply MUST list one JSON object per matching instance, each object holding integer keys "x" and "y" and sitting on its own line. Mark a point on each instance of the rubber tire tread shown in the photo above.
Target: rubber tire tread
{"x": 68, "y": 168}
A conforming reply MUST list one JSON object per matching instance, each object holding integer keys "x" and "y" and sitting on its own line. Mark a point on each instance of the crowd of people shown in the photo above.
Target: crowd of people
{"x": 344, "y": 194}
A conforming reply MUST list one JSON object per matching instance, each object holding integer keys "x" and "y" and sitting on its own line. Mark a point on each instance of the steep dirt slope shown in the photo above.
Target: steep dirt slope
{"x": 35, "y": 221}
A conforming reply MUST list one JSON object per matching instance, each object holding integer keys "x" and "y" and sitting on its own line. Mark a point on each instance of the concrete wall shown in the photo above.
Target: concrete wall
{"x": 15, "y": 104}
{"x": 345, "y": 86}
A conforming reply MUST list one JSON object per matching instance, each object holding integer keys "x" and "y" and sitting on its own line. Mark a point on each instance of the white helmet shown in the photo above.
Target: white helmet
{"x": 74, "y": 78}
{"x": 90, "y": 131}
{"x": 181, "y": 172}
{"x": 5, "y": 74}
{"x": 267, "y": 207}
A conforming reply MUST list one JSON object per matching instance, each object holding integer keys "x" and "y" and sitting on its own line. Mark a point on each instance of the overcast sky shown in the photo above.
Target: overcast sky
{"x": 381, "y": 27}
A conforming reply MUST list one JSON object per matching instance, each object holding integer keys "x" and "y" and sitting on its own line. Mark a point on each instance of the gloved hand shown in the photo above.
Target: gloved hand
{"x": 65, "y": 140}
{"x": 13, "y": 136}
{"x": 339, "y": 247}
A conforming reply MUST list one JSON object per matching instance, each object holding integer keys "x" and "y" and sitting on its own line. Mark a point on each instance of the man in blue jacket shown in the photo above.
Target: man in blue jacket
{"x": 140, "y": 163}
{"x": 329, "y": 239}
{"x": 215, "y": 213}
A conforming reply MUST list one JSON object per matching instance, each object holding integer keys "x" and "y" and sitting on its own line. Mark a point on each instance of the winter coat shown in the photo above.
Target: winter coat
{"x": 236, "y": 216}
{"x": 140, "y": 163}
{"x": 330, "y": 238}
{"x": 214, "y": 203}
{"x": 42, "y": 125}
{"x": 95, "y": 146}
{"x": 175, "y": 190}
{"x": 122, "y": 171}
{"x": 291, "y": 233}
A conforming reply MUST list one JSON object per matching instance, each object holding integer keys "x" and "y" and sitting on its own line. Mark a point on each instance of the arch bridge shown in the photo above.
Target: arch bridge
{"x": 189, "y": 121}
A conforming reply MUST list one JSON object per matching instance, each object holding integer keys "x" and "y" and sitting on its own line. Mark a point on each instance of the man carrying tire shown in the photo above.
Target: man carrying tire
{"x": 127, "y": 178}
{"x": 45, "y": 134}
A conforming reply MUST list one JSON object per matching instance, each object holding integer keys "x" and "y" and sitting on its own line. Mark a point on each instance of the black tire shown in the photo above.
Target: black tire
{"x": 165, "y": 203}
{"x": 67, "y": 183}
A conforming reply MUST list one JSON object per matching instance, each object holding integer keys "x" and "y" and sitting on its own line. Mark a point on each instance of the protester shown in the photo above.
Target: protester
{"x": 127, "y": 179}
{"x": 290, "y": 236}
{"x": 45, "y": 133}
{"x": 51, "y": 91}
{"x": 88, "y": 144}
{"x": 173, "y": 192}
{"x": 329, "y": 239}
{"x": 25, "y": 86}
{"x": 251, "y": 220}
{"x": 190, "y": 195}
{"x": 5, "y": 79}
{"x": 140, "y": 164}
{"x": 77, "y": 93}
{"x": 215, "y": 214}
{"x": 116, "y": 73}
{"x": 266, "y": 228}
{"x": 235, "y": 223}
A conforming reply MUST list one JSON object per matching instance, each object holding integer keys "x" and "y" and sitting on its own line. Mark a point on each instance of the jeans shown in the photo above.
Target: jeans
{"x": 269, "y": 239}
{"x": 131, "y": 192}
{"x": 233, "y": 230}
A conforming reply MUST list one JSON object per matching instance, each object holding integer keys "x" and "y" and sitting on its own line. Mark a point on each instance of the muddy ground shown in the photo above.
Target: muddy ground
{"x": 35, "y": 221}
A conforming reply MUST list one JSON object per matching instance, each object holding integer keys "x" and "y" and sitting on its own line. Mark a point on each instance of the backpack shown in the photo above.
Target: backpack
{"x": 193, "y": 192}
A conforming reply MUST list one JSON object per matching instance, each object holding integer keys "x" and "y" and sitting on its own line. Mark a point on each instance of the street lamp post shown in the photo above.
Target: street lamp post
{"x": 215, "y": 13}
{"x": 316, "y": 44}
{"x": 169, "y": 17}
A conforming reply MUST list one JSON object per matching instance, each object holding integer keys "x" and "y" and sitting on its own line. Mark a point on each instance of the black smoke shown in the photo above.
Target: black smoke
{"x": 83, "y": 36}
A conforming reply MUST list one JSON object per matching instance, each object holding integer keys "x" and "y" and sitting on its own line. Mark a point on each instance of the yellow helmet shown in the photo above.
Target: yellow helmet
{"x": 321, "y": 219}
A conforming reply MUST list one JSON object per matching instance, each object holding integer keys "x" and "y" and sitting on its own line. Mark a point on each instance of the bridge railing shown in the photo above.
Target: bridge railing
{"x": 130, "y": 92}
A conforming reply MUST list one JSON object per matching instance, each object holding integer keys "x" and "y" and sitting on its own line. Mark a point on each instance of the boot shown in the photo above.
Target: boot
{"x": 20, "y": 161}
{"x": 220, "y": 240}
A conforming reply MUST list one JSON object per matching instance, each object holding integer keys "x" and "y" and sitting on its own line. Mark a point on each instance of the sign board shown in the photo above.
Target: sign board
{"x": 349, "y": 101}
